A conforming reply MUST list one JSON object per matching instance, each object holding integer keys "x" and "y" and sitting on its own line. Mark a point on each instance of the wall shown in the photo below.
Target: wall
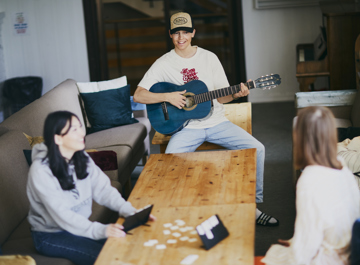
{"x": 54, "y": 46}
{"x": 271, "y": 37}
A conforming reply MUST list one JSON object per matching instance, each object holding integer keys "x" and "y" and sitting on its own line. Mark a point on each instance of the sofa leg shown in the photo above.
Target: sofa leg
{"x": 144, "y": 159}
{"x": 127, "y": 189}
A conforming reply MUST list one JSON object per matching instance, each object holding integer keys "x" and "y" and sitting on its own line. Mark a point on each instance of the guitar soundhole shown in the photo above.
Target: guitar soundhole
{"x": 190, "y": 104}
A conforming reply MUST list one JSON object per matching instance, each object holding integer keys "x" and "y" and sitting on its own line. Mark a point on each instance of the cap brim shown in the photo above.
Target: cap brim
{"x": 172, "y": 31}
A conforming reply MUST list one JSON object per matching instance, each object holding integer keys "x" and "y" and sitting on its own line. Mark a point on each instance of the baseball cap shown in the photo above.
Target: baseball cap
{"x": 181, "y": 21}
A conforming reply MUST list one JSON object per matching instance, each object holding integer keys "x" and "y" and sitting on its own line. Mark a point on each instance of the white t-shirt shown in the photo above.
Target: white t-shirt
{"x": 204, "y": 66}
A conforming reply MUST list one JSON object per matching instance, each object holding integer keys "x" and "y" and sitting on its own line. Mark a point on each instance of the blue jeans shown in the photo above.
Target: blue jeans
{"x": 227, "y": 135}
{"x": 80, "y": 250}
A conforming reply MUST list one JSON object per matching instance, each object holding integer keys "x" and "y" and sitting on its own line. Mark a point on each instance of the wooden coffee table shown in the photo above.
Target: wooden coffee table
{"x": 192, "y": 187}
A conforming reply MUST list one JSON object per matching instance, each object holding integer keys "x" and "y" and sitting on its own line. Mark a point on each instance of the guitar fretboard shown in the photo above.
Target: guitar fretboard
{"x": 219, "y": 93}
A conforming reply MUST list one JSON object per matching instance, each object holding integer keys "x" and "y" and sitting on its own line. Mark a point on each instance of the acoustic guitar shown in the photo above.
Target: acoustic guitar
{"x": 168, "y": 119}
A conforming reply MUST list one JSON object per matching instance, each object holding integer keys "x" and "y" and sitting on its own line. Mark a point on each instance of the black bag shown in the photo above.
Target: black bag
{"x": 21, "y": 91}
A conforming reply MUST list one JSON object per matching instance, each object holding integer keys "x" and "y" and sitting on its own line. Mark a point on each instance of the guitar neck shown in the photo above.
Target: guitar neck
{"x": 222, "y": 92}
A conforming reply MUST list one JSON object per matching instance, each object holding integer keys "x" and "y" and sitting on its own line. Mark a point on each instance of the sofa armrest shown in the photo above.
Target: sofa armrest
{"x": 140, "y": 113}
{"x": 338, "y": 101}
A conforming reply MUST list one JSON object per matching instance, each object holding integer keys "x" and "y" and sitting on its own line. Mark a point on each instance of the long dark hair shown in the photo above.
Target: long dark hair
{"x": 55, "y": 122}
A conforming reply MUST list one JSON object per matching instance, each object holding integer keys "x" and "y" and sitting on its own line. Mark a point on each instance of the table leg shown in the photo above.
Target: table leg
{"x": 163, "y": 148}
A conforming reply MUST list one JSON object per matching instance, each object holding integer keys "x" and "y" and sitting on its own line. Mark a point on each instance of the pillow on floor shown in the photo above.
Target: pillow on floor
{"x": 17, "y": 260}
{"x": 349, "y": 150}
{"x": 109, "y": 108}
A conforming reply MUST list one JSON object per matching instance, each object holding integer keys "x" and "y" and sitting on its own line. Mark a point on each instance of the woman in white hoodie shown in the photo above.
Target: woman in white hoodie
{"x": 327, "y": 197}
{"x": 63, "y": 181}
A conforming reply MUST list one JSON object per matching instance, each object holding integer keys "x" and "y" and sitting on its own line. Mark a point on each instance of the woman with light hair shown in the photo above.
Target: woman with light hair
{"x": 327, "y": 196}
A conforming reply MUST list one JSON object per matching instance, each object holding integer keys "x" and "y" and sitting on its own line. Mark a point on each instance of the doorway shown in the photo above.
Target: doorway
{"x": 134, "y": 33}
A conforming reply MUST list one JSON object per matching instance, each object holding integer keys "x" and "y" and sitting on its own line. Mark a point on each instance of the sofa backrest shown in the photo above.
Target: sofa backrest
{"x": 30, "y": 119}
{"x": 14, "y": 205}
{"x": 355, "y": 112}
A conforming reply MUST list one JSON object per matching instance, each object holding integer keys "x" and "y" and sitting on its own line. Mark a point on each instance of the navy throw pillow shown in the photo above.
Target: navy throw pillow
{"x": 108, "y": 108}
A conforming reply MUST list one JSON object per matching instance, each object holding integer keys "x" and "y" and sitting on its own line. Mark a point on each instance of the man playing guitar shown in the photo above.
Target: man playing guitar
{"x": 186, "y": 63}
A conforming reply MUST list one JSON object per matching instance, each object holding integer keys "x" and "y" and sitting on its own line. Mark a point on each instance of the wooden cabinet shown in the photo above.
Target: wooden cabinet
{"x": 342, "y": 22}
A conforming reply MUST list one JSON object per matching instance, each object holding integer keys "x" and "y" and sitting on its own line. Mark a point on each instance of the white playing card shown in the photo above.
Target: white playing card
{"x": 147, "y": 244}
{"x": 183, "y": 229}
{"x": 174, "y": 227}
{"x": 189, "y": 259}
{"x": 193, "y": 232}
{"x": 209, "y": 234}
{"x": 180, "y": 222}
{"x": 153, "y": 241}
{"x": 168, "y": 225}
{"x": 184, "y": 238}
{"x": 171, "y": 241}
{"x": 166, "y": 232}
{"x": 192, "y": 239}
{"x": 207, "y": 225}
{"x": 176, "y": 234}
{"x": 161, "y": 246}
{"x": 200, "y": 230}
{"x": 213, "y": 221}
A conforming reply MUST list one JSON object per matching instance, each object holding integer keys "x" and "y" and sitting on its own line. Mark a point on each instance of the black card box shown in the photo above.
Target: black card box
{"x": 212, "y": 231}
{"x": 137, "y": 219}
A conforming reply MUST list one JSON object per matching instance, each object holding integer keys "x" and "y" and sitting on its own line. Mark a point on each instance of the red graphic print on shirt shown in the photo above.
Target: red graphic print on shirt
{"x": 189, "y": 75}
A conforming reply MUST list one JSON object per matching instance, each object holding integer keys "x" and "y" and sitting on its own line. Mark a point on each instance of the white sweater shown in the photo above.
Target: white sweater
{"x": 327, "y": 205}
{"x": 53, "y": 209}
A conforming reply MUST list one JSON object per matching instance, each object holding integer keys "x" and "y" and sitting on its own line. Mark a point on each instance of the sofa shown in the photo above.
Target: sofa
{"x": 130, "y": 142}
{"x": 344, "y": 104}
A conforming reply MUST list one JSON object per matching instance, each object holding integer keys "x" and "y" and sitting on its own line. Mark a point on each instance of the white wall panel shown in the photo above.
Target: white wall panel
{"x": 271, "y": 37}
{"x": 54, "y": 48}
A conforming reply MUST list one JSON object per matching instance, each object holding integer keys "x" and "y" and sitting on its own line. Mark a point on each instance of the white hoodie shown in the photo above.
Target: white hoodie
{"x": 53, "y": 209}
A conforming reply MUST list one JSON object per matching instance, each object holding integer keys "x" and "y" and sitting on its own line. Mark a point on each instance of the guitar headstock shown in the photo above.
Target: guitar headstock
{"x": 268, "y": 81}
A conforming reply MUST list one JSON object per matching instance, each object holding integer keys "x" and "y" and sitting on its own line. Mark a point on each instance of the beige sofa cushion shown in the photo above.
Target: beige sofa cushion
{"x": 131, "y": 135}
